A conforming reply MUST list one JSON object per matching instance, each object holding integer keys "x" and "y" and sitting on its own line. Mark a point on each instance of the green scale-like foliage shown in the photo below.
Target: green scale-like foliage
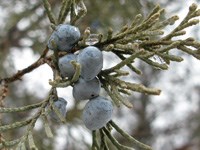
{"x": 142, "y": 39}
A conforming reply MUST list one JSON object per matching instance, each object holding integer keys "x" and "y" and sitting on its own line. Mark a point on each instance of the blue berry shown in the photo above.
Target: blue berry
{"x": 64, "y": 36}
{"x": 91, "y": 60}
{"x": 84, "y": 90}
{"x": 65, "y": 67}
{"x": 60, "y": 104}
{"x": 97, "y": 112}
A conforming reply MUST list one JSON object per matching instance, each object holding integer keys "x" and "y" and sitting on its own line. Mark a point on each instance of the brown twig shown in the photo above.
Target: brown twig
{"x": 3, "y": 93}
{"x": 30, "y": 68}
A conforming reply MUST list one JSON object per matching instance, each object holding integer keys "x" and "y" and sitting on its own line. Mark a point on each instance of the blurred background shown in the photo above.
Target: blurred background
{"x": 170, "y": 121}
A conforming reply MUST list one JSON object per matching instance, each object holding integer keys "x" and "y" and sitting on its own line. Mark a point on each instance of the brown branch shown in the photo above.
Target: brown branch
{"x": 30, "y": 68}
{"x": 3, "y": 93}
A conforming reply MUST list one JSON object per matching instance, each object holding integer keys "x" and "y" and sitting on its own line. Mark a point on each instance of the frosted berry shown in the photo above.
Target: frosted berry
{"x": 60, "y": 104}
{"x": 65, "y": 67}
{"x": 64, "y": 36}
{"x": 97, "y": 112}
{"x": 91, "y": 60}
{"x": 84, "y": 90}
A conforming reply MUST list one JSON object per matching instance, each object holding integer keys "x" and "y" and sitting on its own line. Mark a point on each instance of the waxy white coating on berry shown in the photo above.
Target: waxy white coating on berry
{"x": 60, "y": 104}
{"x": 65, "y": 66}
{"x": 84, "y": 90}
{"x": 91, "y": 60}
{"x": 97, "y": 113}
{"x": 64, "y": 37}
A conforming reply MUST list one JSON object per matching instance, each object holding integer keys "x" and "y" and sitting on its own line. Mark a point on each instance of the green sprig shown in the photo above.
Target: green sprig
{"x": 130, "y": 138}
{"x": 95, "y": 145}
{"x": 66, "y": 4}
{"x": 9, "y": 143}
{"x": 14, "y": 125}
{"x": 31, "y": 142}
{"x": 19, "y": 109}
{"x": 57, "y": 112}
{"x": 49, "y": 12}
{"x": 115, "y": 142}
{"x": 103, "y": 145}
{"x": 124, "y": 62}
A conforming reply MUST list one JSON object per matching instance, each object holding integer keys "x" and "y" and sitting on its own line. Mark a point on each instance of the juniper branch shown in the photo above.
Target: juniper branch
{"x": 49, "y": 12}
{"x": 185, "y": 22}
{"x": 9, "y": 143}
{"x": 124, "y": 62}
{"x": 130, "y": 138}
{"x": 66, "y": 4}
{"x": 95, "y": 145}
{"x": 31, "y": 142}
{"x": 64, "y": 83}
{"x": 57, "y": 112}
{"x": 134, "y": 69}
{"x": 189, "y": 51}
{"x": 20, "y": 109}
{"x": 103, "y": 145}
{"x": 19, "y": 124}
{"x": 155, "y": 64}
{"x": 30, "y": 68}
{"x": 130, "y": 86}
{"x": 120, "y": 98}
{"x": 46, "y": 125}
{"x": 77, "y": 73}
{"x": 81, "y": 12}
{"x": 136, "y": 20}
{"x": 115, "y": 142}
{"x": 31, "y": 124}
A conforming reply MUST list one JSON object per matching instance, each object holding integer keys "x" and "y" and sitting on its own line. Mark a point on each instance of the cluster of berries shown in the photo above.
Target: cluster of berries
{"x": 98, "y": 110}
